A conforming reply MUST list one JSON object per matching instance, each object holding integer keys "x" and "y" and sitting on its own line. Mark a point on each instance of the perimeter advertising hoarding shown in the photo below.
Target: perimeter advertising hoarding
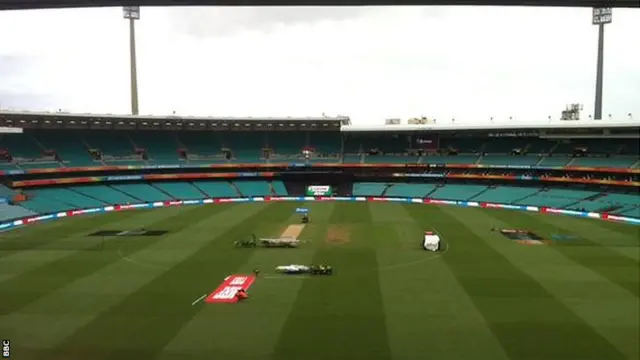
{"x": 319, "y": 190}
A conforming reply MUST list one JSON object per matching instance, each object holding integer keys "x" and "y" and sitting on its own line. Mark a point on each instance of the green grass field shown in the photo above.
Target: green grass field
{"x": 67, "y": 296}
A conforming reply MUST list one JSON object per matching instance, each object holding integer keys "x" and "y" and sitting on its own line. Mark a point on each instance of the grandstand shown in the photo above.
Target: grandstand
{"x": 41, "y": 149}
{"x": 309, "y": 141}
{"x": 121, "y": 140}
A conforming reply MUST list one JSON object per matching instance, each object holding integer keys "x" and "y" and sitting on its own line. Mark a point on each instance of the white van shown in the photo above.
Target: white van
{"x": 431, "y": 241}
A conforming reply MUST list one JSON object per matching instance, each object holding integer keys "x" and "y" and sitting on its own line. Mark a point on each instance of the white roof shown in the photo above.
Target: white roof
{"x": 172, "y": 116}
{"x": 500, "y": 125}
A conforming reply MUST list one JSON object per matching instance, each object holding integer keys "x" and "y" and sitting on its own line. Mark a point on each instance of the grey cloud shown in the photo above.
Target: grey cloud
{"x": 219, "y": 21}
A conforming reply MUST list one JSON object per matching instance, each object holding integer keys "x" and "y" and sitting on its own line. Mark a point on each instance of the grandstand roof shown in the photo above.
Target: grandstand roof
{"x": 501, "y": 125}
{"x": 50, "y": 120}
{"x": 62, "y": 120}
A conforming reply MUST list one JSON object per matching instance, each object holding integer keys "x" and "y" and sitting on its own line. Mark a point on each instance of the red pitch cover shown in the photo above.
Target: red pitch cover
{"x": 226, "y": 292}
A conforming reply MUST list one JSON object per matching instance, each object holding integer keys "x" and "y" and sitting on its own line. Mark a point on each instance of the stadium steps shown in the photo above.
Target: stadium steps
{"x": 125, "y": 194}
{"x": 553, "y": 148}
{"x": 64, "y": 195}
{"x": 595, "y": 197}
{"x": 216, "y": 188}
{"x": 35, "y": 140}
{"x": 368, "y": 188}
{"x": 204, "y": 193}
{"x": 272, "y": 191}
{"x": 573, "y": 205}
{"x": 279, "y": 188}
{"x": 162, "y": 190}
{"x": 570, "y": 163}
{"x": 635, "y": 164}
{"x": 611, "y": 208}
{"x": 71, "y": 188}
{"x": 49, "y": 201}
{"x": 478, "y": 194}
{"x": 428, "y": 195}
{"x": 411, "y": 190}
{"x": 235, "y": 187}
{"x": 522, "y": 199}
{"x": 386, "y": 187}
{"x": 253, "y": 188}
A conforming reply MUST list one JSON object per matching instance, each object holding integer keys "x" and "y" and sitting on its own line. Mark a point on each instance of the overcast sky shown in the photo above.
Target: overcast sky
{"x": 471, "y": 63}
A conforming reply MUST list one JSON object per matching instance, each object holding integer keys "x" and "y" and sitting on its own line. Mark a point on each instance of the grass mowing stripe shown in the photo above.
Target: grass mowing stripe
{"x": 608, "y": 308}
{"x": 271, "y": 299}
{"x": 345, "y": 310}
{"x": 622, "y": 228}
{"x": 24, "y": 261}
{"x": 528, "y": 321}
{"x": 351, "y": 213}
{"x": 42, "y": 236}
{"x": 77, "y": 303}
{"x": 57, "y": 274}
{"x": 144, "y": 322}
{"x": 624, "y": 243}
{"x": 347, "y": 323}
{"x": 428, "y": 314}
{"x": 617, "y": 268}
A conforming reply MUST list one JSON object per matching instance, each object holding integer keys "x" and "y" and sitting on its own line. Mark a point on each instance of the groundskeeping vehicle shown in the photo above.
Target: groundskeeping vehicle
{"x": 431, "y": 241}
{"x": 305, "y": 269}
{"x": 279, "y": 242}
{"x": 249, "y": 242}
{"x": 252, "y": 241}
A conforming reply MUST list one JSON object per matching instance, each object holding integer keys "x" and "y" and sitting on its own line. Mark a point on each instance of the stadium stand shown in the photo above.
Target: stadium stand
{"x": 214, "y": 188}
{"x": 410, "y": 190}
{"x": 116, "y": 147}
{"x": 6, "y": 192}
{"x": 38, "y": 149}
{"x": 458, "y": 192}
{"x": 9, "y": 212}
{"x": 368, "y": 189}
{"x": 142, "y": 192}
{"x": 52, "y": 200}
{"x": 179, "y": 190}
{"x": 69, "y": 147}
{"x": 104, "y": 193}
{"x": 279, "y": 189}
{"x": 65, "y": 196}
{"x": 253, "y": 188}
{"x": 505, "y": 194}
{"x": 161, "y": 147}
{"x": 43, "y": 205}
{"x": 510, "y": 160}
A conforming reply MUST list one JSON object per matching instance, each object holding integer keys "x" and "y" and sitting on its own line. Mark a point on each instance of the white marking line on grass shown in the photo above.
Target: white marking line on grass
{"x": 286, "y": 277}
{"x": 383, "y": 268}
{"x": 411, "y": 263}
{"x": 127, "y": 258}
{"x": 198, "y": 299}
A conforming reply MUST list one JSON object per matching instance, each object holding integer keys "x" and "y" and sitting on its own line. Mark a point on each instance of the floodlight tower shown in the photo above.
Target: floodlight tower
{"x": 132, "y": 13}
{"x": 601, "y": 17}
